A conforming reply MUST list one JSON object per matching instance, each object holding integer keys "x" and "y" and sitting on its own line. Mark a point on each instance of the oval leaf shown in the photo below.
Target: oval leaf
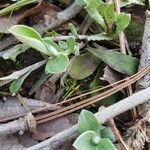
{"x": 87, "y": 121}
{"x": 73, "y": 29}
{"x": 122, "y": 21}
{"x": 29, "y": 36}
{"x": 106, "y": 144}
{"x": 86, "y": 62}
{"x": 57, "y": 64}
{"x": 16, "y": 84}
{"x": 107, "y": 133}
{"x": 118, "y": 61}
{"x": 84, "y": 141}
{"x": 71, "y": 44}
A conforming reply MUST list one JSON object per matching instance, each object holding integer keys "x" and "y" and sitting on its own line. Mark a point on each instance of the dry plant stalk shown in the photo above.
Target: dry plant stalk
{"x": 60, "y": 111}
{"x": 87, "y": 102}
{"x": 129, "y": 88}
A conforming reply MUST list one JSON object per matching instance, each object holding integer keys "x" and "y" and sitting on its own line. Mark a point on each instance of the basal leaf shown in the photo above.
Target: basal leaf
{"x": 88, "y": 122}
{"x": 29, "y": 36}
{"x": 102, "y": 8}
{"x": 13, "y": 52}
{"x": 84, "y": 141}
{"x": 93, "y": 3}
{"x": 110, "y": 14}
{"x": 106, "y": 132}
{"x": 106, "y": 144}
{"x": 57, "y": 64}
{"x": 93, "y": 12}
{"x": 49, "y": 43}
{"x": 118, "y": 61}
{"x": 62, "y": 45}
{"x": 16, "y": 84}
{"x": 122, "y": 21}
{"x": 83, "y": 66}
{"x": 71, "y": 44}
{"x": 73, "y": 29}
{"x": 80, "y": 2}
{"x": 98, "y": 37}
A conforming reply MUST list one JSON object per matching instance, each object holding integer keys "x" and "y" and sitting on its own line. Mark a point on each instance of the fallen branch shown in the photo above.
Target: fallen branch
{"x": 27, "y": 123}
{"x": 103, "y": 115}
{"x": 61, "y": 18}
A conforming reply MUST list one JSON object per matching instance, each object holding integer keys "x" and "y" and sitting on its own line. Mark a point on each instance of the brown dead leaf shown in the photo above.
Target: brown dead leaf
{"x": 40, "y": 13}
{"x": 48, "y": 91}
{"x": 53, "y": 127}
{"x": 111, "y": 76}
{"x": 12, "y": 107}
{"x": 6, "y": 23}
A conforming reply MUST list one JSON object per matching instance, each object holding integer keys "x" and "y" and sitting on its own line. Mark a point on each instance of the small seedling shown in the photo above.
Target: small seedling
{"x": 93, "y": 136}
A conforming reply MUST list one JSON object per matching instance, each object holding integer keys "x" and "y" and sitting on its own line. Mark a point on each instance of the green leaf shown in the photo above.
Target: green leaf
{"x": 118, "y": 61}
{"x": 73, "y": 29}
{"x": 71, "y": 44}
{"x": 106, "y": 132}
{"x": 49, "y": 43}
{"x": 102, "y": 8}
{"x": 92, "y": 9}
{"x": 62, "y": 45}
{"x": 29, "y": 36}
{"x": 86, "y": 62}
{"x": 93, "y": 3}
{"x": 96, "y": 37}
{"x": 84, "y": 141}
{"x": 110, "y": 14}
{"x": 122, "y": 21}
{"x": 106, "y": 144}
{"x": 80, "y": 2}
{"x": 15, "y": 6}
{"x": 13, "y": 52}
{"x": 16, "y": 84}
{"x": 110, "y": 100}
{"x": 88, "y": 122}
{"x": 93, "y": 12}
{"x": 57, "y": 64}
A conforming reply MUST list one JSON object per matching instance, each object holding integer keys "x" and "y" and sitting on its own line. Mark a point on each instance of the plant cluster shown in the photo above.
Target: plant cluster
{"x": 93, "y": 136}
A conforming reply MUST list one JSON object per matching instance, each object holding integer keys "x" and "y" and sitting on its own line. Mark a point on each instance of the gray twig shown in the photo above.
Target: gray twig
{"x": 20, "y": 125}
{"x": 103, "y": 115}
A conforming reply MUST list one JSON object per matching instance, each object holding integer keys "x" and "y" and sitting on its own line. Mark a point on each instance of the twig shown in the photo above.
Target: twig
{"x": 121, "y": 36}
{"x": 123, "y": 50}
{"x": 20, "y": 125}
{"x": 23, "y": 102}
{"x": 18, "y": 74}
{"x": 105, "y": 114}
{"x": 116, "y": 132}
{"x": 87, "y": 102}
{"x": 61, "y": 18}
{"x": 108, "y": 90}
